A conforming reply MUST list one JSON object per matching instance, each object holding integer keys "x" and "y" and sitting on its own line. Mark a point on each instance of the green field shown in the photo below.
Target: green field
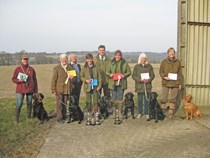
{"x": 44, "y": 74}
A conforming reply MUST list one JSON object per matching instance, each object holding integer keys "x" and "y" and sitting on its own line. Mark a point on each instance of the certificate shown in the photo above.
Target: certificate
{"x": 172, "y": 76}
{"x": 145, "y": 76}
{"x": 72, "y": 72}
{"x": 22, "y": 76}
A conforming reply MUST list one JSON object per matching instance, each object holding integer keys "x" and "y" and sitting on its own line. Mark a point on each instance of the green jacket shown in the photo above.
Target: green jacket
{"x": 138, "y": 69}
{"x": 125, "y": 70}
{"x": 58, "y": 80}
{"x": 168, "y": 66}
{"x": 85, "y": 75}
{"x": 102, "y": 65}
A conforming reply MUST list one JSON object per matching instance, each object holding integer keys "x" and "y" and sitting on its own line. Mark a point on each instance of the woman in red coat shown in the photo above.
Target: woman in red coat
{"x": 24, "y": 77}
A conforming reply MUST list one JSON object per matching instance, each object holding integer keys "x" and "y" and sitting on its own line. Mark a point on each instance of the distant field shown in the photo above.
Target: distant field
{"x": 44, "y": 74}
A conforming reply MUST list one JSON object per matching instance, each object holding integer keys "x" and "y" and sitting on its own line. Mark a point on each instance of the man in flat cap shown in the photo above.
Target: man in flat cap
{"x": 24, "y": 77}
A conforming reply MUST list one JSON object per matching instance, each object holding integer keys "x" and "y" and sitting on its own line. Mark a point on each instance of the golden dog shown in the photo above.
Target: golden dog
{"x": 191, "y": 108}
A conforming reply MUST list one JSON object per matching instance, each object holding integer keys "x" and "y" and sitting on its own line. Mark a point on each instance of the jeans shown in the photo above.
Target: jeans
{"x": 117, "y": 93}
{"x": 20, "y": 97}
{"x": 142, "y": 101}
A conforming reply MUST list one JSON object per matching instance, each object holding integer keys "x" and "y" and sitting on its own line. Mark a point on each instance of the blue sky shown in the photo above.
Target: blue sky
{"x": 74, "y": 25}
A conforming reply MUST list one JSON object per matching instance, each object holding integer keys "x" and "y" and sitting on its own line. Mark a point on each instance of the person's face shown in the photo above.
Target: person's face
{"x": 117, "y": 57}
{"x": 101, "y": 51}
{"x": 73, "y": 59}
{"x": 143, "y": 60}
{"x": 171, "y": 54}
{"x": 89, "y": 61}
{"x": 24, "y": 61}
{"x": 63, "y": 61}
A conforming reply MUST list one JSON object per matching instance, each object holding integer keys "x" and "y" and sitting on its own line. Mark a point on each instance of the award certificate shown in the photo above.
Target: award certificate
{"x": 172, "y": 76}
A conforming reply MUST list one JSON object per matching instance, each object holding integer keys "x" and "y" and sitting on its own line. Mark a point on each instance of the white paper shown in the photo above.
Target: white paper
{"x": 145, "y": 76}
{"x": 172, "y": 76}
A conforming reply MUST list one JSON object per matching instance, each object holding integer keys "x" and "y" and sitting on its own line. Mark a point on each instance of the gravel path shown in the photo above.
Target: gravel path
{"x": 137, "y": 138}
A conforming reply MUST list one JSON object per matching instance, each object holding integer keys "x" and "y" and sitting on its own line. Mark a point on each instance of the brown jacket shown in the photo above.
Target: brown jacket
{"x": 168, "y": 66}
{"x": 58, "y": 80}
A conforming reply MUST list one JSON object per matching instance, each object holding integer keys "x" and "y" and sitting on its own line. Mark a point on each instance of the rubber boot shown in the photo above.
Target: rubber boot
{"x": 120, "y": 107}
{"x": 89, "y": 114}
{"x": 29, "y": 110}
{"x": 171, "y": 110}
{"x": 17, "y": 115}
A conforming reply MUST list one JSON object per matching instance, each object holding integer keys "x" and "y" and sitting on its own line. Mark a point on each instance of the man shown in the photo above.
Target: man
{"x": 77, "y": 83}
{"x": 25, "y": 79}
{"x": 172, "y": 79}
{"x": 61, "y": 86}
{"x": 101, "y": 60}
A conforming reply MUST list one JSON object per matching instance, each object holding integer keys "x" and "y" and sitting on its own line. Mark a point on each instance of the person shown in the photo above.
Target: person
{"x": 61, "y": 86}
{"x": 101, "y": 60}
{"x": 172, "y": 79}
{"x": 118, "y": 71}
{"x": 143, "y": 75}
{"x": 25, "y": 79}
{"x": 78, "y": 82}
{"x": 91, "y": 77}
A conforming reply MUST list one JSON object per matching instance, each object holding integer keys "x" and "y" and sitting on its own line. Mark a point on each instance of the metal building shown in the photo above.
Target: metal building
{"x": 194, "y": 48}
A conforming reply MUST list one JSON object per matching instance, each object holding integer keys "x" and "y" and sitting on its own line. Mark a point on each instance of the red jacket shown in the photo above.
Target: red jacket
{"x": 25, "y": 87}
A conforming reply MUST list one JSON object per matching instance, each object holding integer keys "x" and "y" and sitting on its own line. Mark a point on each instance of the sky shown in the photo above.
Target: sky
{"x": 83, "y": 25}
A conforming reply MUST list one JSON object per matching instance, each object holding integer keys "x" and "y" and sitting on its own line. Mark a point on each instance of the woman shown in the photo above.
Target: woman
{"x": 143, "y": 75}
{"x": 118, "y": 71}
{"x": 172, "y": 79}
{"x": 25, "y": 79}
{"x": 78, "y": 82}
{"x": 91, "y": 77}
{"x": 61, "y": 86}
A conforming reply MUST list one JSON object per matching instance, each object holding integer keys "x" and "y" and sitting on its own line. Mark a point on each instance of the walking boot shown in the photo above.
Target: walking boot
{"x": 171, "y": 110}
{"x": 117, "y": 120}
{"x": 98, "y": 122}
{"x": 17, "y": 115}
{"x": 88, "y": 122}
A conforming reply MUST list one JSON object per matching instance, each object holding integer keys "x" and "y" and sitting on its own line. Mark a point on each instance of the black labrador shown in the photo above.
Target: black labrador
{"x": 103, "y": 105}
{"x": 38, "y": 107}
{"x": 75, "y": 112}
{"x": 129, "y": 104}
{"x": 155, "y": 111}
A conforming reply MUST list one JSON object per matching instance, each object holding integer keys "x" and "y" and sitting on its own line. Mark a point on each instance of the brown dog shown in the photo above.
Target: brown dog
{"x": 191, "y": 108}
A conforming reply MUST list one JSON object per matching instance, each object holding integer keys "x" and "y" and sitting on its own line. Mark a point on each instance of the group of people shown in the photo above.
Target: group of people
{"x": 100, "y": 73}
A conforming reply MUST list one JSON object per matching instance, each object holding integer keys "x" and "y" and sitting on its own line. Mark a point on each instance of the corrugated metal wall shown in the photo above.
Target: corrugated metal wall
{"x": 194, "y": 48}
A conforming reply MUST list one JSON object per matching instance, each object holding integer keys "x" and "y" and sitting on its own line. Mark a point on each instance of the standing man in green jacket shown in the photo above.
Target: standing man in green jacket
{"x": 101, "y": 60}
{"x": 172, "y": 79}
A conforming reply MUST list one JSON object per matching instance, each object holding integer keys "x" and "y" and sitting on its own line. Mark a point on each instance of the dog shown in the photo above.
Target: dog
{"x": 191, "y": 108}
{"x": 103, "y": 104}
{"x": 38, "y": 107}
{"x": 155, "y": 111}
{"x": 129, "y": 104}
{"x": 75, "y": 112}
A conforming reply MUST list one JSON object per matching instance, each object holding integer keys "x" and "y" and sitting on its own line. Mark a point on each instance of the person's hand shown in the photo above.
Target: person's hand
{"x": 88, "y": 81}
{"x": 166, "y": 78}
{"x": 111, "y": 75}
{"x": 70, "y": 76}
{"x": 21, "y": 80}
{"x": 144, "y": 81}
{"x": 98, "y": 88}
{"x": 122, "y": 76}
{"x": 180, "y": 87}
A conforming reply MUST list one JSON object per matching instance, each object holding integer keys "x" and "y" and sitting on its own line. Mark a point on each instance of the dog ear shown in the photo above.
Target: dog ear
{"x": 126, "y": 95}
{"x": 41, "y": 95}
{"x": 33, "y": 97}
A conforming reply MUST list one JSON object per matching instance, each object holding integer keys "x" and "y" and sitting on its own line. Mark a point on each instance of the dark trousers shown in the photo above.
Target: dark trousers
{"x": 76, "y": 91}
